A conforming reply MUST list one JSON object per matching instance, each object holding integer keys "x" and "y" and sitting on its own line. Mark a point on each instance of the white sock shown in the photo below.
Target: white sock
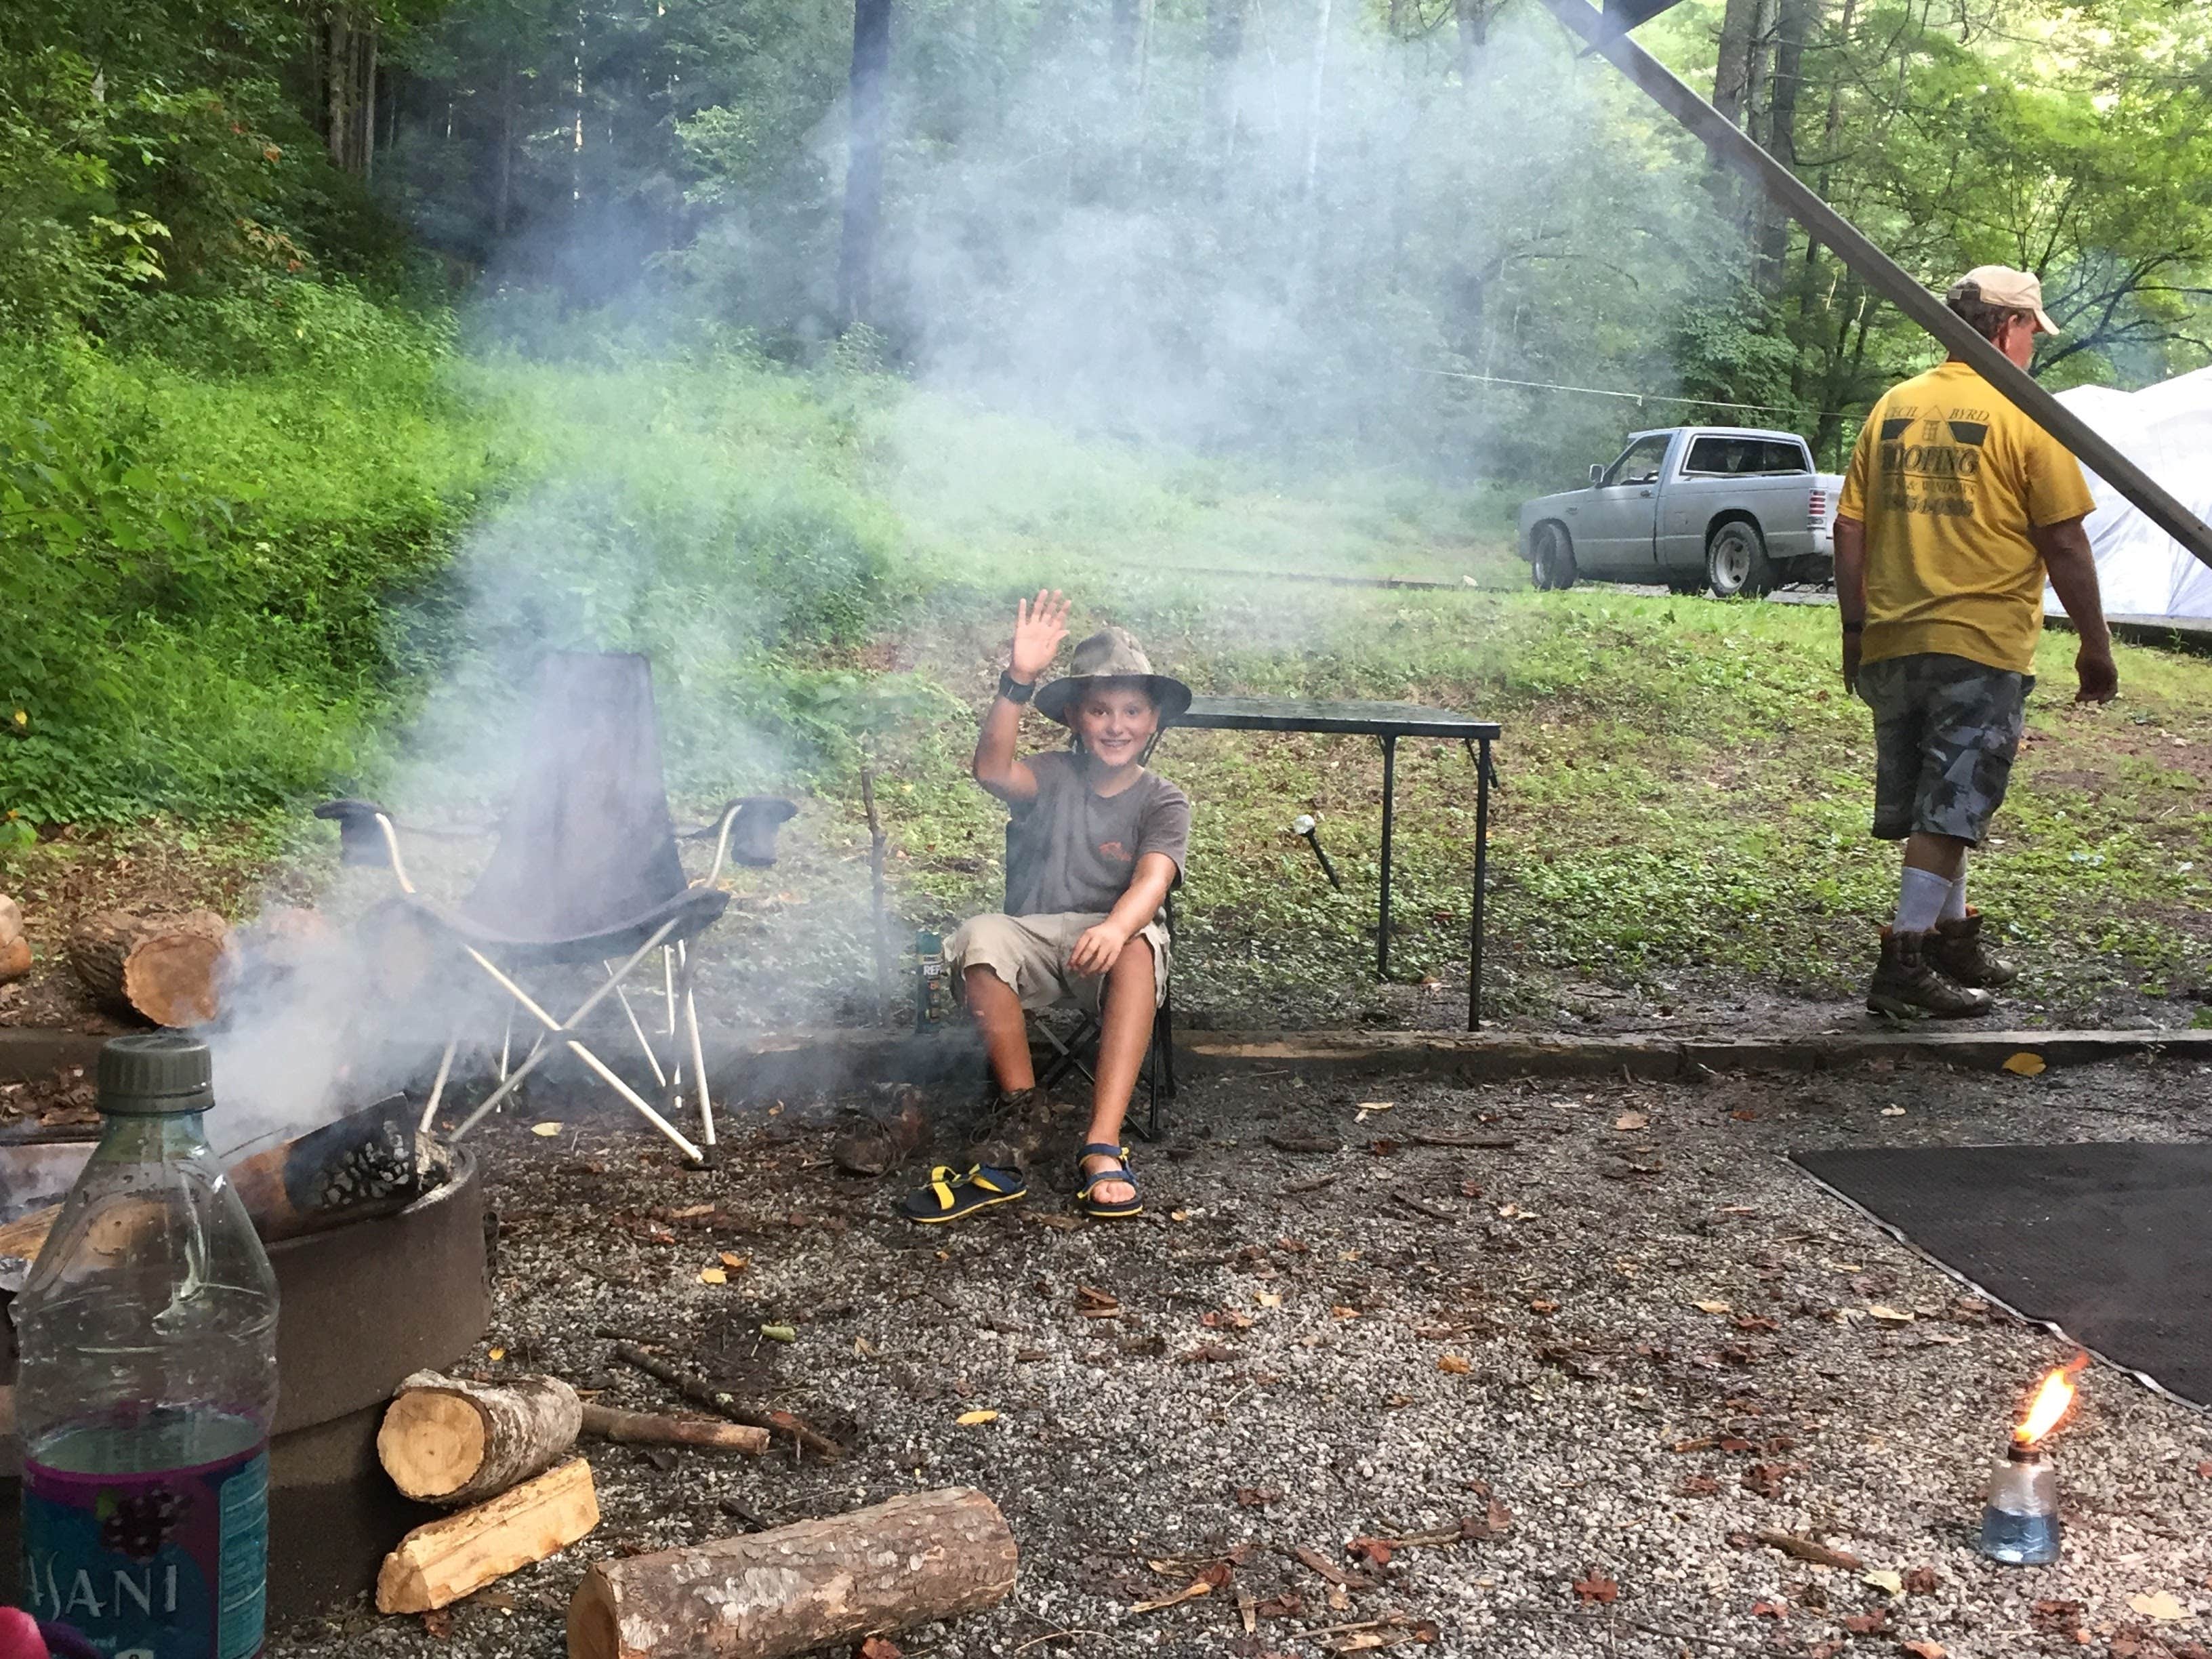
{"x": 1920, "y": 897}
{"x": 1955, "y": 907}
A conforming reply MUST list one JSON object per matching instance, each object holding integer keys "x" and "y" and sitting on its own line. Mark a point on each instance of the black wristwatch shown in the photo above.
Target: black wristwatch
{"x": 1012, "y": 690}
{"x": 1854, "y": 628}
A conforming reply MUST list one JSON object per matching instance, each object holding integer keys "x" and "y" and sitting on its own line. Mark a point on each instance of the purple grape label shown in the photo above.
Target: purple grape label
{"x": 168, "y": 1566}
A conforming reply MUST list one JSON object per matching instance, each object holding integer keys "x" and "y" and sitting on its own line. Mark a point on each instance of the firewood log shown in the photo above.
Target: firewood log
{"x": 14, "y": 949}
{"x": 652, "y": 1429}
{"x": 444, "y": 1441}
{"x": 167, "y": 968}
{"x": 457, "y": 1554}
{"x": 921, "y": 1557}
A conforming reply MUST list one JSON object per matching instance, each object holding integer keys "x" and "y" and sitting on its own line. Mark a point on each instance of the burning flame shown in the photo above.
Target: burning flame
{"x": 2050, "y": 1403}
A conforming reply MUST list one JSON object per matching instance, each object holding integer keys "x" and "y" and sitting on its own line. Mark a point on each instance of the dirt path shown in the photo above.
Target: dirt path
{"x": 1284, "y": 1375}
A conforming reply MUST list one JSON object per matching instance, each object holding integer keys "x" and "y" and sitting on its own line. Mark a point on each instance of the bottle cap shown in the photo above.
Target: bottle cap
{"x": 158, "y": 1073}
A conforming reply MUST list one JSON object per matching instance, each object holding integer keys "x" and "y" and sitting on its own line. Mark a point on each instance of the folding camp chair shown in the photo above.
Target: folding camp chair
{"x": 586, "y": 869}
{"x": 1078, "y": 1051}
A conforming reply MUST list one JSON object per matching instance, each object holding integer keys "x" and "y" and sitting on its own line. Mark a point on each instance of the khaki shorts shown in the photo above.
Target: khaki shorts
{"x": 1030, "y": 954}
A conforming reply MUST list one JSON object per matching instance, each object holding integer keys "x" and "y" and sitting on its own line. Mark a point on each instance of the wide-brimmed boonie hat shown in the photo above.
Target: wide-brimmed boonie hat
{"x": 1112, "y": 653}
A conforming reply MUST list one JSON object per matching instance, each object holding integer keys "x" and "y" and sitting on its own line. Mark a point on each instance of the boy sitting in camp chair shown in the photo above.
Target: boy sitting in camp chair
{"x": 1095, "y": 844}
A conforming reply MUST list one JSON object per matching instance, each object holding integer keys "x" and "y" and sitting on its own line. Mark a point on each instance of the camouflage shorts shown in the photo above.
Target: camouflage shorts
{"x": 1945, "y": 732}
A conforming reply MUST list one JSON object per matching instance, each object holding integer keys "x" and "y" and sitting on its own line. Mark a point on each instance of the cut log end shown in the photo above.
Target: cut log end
{"x": 431, "y": 1444}
{"x": 167, "y": 968}
{"x": 593, "y": 1631}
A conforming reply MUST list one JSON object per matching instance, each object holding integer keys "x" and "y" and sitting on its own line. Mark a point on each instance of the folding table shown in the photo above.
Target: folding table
{"x": 1389, "y": 721}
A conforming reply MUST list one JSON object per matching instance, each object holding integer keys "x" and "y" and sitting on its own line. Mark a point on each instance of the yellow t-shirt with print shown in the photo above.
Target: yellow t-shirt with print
{"x": 1948, "y": 476}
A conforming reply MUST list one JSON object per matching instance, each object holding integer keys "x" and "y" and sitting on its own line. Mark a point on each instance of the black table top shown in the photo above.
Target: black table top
{"x": 1381, "y": 720}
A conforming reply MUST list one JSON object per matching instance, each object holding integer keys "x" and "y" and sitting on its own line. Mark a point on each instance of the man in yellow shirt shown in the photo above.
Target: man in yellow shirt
{"x": 1955, "y": 507}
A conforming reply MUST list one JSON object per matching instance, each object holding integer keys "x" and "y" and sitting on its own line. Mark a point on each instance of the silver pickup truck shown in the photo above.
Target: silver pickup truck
{"x": 1724, "y": 508}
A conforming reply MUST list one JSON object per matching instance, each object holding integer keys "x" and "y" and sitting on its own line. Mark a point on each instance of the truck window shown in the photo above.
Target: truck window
{"x": 1782, "y": 456}
{"x": 1640, "y": 462}
{"x": 1720, "y": 455}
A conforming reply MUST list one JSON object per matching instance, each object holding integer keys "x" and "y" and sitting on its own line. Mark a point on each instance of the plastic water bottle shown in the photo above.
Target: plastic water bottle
{"x": 148, "y": 1380}
{"x": 2019, "y": 1525}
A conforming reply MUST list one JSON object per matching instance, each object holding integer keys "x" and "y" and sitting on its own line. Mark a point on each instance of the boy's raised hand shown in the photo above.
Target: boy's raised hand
{"x": 1039, "y": 627}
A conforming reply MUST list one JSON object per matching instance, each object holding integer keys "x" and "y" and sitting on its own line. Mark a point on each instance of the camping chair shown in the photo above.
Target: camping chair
{"x": 1078, "y": 1051}
{"x": 586, "y": 869}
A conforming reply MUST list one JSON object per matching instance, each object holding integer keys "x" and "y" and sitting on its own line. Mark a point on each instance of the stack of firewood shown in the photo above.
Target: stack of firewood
{"x": 502, "y": 1454}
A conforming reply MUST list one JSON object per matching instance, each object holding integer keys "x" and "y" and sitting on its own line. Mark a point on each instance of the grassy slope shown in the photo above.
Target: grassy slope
{"x": 1685, "y": 784}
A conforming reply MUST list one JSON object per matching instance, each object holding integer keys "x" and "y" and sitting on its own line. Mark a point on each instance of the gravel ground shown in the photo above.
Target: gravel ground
{"x": 1286, "y": 1373}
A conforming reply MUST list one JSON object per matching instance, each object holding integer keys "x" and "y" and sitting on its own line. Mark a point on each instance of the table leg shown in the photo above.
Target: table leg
{"x": 1390, "y": 818}
{"x": 1481, "y": 881}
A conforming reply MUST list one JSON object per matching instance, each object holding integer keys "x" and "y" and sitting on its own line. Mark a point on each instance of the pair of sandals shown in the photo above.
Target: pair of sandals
{"x": 952, "y": 1194}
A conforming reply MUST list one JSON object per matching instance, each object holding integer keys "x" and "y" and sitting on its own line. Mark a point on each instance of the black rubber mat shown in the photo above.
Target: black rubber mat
{"x": 2109, "y": 1241}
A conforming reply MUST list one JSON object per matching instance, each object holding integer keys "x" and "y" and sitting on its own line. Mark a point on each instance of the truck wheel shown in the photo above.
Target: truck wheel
{"x": 1737, "y": 562}
{"x": 1552, "y": 557}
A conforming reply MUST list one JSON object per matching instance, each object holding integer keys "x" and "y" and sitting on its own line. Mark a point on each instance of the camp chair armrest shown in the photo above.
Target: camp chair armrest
{"x": 745, "y": 829}
{"x": 367, "y": 837}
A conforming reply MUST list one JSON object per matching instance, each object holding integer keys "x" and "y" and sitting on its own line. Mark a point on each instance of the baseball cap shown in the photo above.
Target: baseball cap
{"x": 2000, "y": 285}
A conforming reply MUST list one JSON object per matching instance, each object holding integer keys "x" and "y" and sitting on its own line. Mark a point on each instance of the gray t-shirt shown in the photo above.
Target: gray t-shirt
{"x": 1070, "y": 849}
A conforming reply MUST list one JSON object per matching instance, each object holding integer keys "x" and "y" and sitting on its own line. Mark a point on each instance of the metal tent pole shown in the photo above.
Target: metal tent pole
{"x": 1884, "y": 275}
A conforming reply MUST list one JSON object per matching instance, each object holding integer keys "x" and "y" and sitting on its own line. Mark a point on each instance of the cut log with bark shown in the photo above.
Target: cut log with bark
{"x": 657, "y": 1429}
{"x": 166, "y": 969}
{"x": 14, "y": 949}
{"x": 447, "y": 1440}
{"x": 921, "y": 1557}
{"x": 457, "y": 1554}
{"x": 369, "y": 1162}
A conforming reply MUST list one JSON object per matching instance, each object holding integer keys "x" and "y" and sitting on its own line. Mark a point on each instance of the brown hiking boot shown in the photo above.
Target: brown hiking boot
{"x": 1014, "y": 1130}
{"x": 1908, "y": 985}
{"x": 1957, "y": 949}
{"x": 887, "y": 1137}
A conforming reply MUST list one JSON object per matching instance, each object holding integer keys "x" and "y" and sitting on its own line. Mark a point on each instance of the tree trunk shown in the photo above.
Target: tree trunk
{"x": 920, "y": 1558}
{"x": 1732, "y": 74}
{"x": 864, "y": 168}
{"x": 1224, "y": 47}
{"x": 503, "y": 201}
{"x": 457, "y": 1554}
{"x": 1472, "y": 18}
{"x": 1793, "y": 27}
{"x": 1322, "y": 20}
{"x": 444, "y": 1441}
{"x": 369, "y": 107}
{"x": 165, "y": 967}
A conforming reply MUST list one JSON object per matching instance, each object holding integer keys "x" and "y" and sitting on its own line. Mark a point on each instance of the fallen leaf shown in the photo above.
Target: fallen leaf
{"x": 496, "y": 1353}
{"x": 1376, "y": 1552}
{"x": 1882, "y": 1315}
{"x": 1596, "y": 1587}
{"x": 438, "y": 1623}
{"x": 2205, "y": 1470}
{"x": 1207, "y": 1353}
{"x": 1922, "y": 1580}
{"x": 1867, "y": 1624}
{"x": 736, "y": 1263}
{"x": 1770, "y": 1609}
{"x": 2161, "y": 1607}
{"x": 712, "y": 1276}
{"x": 1745, "y": 1116}
{"x": 1922, "y": 1649}
{"x": 970, "y": 1420}
{"x": 1178, "y": 1215}
{"x": 1189, "y": 1592}
{"x": 880, "y": 1647}
{"x": 1495, "y": 1521}
{"x": 1339, "y": 1311}
{"x": 1269, "y": 1298}
{"x": 780, "y": 1332}
{"x": 1630, "y": 1120}
{"x": 1712, "y": 1307}
{"x": 1255, "y": 1497}
{"x": 1892, "y": 1111}
{"x": 546, "y": 1131}
{"x": 1375, "y": 1105}
{"x": 1543, "y": 1305}
{"x": 1699, "y": 1486}
{"x": 2025, "y": 1064}
{"x": 1454, "y": 1364}
{"x": 1886, "y": 1579}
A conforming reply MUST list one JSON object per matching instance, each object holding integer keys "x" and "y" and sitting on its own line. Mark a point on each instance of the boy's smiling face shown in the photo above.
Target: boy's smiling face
{"x": 1116, "y": 720}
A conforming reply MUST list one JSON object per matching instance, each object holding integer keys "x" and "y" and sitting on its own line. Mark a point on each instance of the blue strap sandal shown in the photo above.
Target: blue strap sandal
{"x": 1093, "y": 1179}
{"x": 951, "y": 1194}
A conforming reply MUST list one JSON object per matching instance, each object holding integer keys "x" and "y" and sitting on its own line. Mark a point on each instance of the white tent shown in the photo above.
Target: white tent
{"x": 2165, "y": 429}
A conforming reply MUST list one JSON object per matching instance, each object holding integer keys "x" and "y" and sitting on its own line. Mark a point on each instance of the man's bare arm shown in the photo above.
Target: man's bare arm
{"x": 2072, "y": 567}
{"x": 1851, "y": 593}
